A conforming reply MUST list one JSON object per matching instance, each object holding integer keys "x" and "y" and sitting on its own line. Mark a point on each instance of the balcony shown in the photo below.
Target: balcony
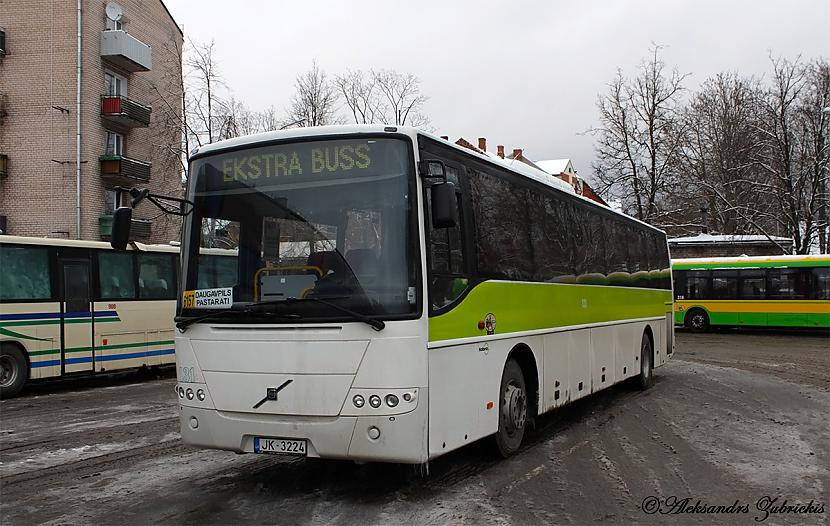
{"x": 123, "y": 170}
{"x": 139, "y": 228}
{"x": 124, "y": 111}
{"x": 125, "y": 51}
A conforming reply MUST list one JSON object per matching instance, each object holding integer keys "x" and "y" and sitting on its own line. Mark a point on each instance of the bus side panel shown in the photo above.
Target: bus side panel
{"x": 579, "y": 357}
{"x": 820, "y": 315}
{"x": 602, "y": 357}
{"x": 464, "y": 383}
{"x": 457, "y": 386}
{"x": 556, "y": 377}
{"x": 36, "y": 328}
{"x": 137, "y": 333}
{"x": 628, "y": 350}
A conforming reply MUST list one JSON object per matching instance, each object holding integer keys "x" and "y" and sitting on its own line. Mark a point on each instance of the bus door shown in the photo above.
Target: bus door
{"x": 76, "y": 317}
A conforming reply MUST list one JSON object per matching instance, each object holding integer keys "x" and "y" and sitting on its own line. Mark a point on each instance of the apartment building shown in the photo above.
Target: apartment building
{"x": 90, "y": 99}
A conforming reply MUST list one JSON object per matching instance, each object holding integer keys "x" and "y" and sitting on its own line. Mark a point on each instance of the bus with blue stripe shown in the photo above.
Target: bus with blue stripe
{"x": 72, "y": 307}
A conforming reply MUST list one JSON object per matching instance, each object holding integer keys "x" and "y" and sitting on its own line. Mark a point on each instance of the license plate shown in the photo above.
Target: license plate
{"x": 280, "y": 446}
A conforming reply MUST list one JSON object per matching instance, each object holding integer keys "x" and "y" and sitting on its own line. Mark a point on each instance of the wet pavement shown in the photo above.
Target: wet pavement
{"x": 733, "y": 417}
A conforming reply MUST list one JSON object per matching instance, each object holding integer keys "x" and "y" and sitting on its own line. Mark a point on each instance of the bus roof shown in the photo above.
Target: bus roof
{"x": 81, "y": 243}
{"x": 818, "y": 260}
{"x": 351, "y": 129}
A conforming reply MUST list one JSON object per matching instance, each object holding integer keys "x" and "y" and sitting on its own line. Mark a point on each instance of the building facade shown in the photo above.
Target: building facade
{"x": 59, "y": 165}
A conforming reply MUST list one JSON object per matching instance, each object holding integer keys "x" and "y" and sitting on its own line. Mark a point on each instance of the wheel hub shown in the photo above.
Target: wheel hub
{"x": 7, "y": 371}
{"x": 515, "y": 408}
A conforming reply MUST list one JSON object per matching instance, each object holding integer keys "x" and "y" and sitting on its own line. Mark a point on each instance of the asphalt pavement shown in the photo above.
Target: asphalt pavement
{"x": 734, "y": 420}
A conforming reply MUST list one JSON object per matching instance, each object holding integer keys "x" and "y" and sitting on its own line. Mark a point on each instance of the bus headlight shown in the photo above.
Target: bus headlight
{"x": 374, "y": 401}
{"x": 181, "y": 392}
{"x": 358, "y": 401}
{"x": 189, "y": 393}
{"x": 200, "y": 394}
{"x": 391, "y": 400}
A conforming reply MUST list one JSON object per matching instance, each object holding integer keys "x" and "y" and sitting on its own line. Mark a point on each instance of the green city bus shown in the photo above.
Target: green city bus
{"x": 765, "y": 291}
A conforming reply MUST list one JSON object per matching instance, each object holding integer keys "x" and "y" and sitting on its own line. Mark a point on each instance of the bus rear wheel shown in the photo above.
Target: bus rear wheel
{"x": 13, "y": 371}
{"x": 646, "y": 377}
{"x": 697, "y": 320}
{"x": 512, "y": 409}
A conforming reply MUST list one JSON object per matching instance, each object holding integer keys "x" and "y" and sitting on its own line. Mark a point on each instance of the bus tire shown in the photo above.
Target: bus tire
{"x": 14, "y": 371}
{"x": 512, "y": 409}
{"x": 697, "y": 320}
{"x": 646, "y": 377}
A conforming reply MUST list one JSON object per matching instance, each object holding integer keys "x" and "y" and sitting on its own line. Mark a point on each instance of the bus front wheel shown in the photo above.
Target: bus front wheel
{"x": 512, "y": 409}
{"x": 697, "y": 320}
{"x": 13, "y": 371}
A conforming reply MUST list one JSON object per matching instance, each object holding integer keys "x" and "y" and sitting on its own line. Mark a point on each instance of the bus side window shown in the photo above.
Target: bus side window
{"x": 724, "y": 284}
{"x": 821, "y": 283}
{"x": 448, "y": 278}
{"x": 753, "y": 284}
{"x": 697, "y": 284}
{"x": 24, "y": 274}
{"x": 115, "y": 275}
{"x": 155, "y": 277}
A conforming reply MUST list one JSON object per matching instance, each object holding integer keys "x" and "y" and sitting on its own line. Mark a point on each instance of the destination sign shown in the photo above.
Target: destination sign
{"x": 303, "y": 162}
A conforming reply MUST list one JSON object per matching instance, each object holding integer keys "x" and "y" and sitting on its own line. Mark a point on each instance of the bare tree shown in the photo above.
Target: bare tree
{"x": 205, "y": 84}
{"x": 386, "y": 96}
{"x": 717, "y": 159}
{"x": 315, "y": 99}
{"x": 268, "y": 119}
{"x": 402, "y": 98}
{"x": 235, "y": 120}
{"x": 794, "y": 128}
{"x": 361, "y": 95}
{"x": 814, "y": 113}
{"x": 168, "y": 101}
{"x": 639, "y": 138}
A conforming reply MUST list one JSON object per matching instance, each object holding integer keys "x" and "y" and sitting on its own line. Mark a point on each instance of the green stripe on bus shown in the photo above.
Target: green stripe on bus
{"x": 6, "y": 332}
{"x": 531, "y": 306}
{"x": 105, "y": 347}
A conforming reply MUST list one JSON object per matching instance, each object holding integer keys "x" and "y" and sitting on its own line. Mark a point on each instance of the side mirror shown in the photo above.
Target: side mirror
{"x": 121, "y": 227}
{"x": 444, "y": 205}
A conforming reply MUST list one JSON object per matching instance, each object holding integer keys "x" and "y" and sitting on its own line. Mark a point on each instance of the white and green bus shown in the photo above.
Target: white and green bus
{"x": 396, "y": 297}
{"x": 70, "y": 308}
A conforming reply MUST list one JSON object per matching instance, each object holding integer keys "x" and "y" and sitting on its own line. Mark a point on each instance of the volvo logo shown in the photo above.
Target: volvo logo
{"x": 272, "y": 393}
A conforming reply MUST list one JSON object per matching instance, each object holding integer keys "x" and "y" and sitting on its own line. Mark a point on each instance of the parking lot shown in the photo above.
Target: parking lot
{"x": 733, "y": 417}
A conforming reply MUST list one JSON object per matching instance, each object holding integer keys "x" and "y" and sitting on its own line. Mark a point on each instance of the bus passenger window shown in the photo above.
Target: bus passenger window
{"x": 25, "y": 274}
{"x": 115, "y": 275}
{"x": 155, "y": 276}
{"x": 753, "y": 284}
{"x": 697, "y": 285}
{"x": 821, "y": 283}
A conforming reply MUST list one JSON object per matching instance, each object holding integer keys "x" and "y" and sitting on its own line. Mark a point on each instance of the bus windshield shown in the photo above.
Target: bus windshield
{"x": 324, "y": 220}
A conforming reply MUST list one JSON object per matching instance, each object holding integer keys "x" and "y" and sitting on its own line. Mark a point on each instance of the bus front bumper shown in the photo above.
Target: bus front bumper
{"x": 402, "y": 438}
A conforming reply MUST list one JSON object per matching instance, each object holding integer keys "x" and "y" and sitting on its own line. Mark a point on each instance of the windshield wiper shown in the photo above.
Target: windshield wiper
{"x": 376, "y": 324}
{"x": 184, "y": 323}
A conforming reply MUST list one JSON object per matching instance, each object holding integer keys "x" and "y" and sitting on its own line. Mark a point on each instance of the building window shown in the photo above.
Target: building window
{"x": 115, "y": 143}
{"x": 112, "y": 202}
{"x": 114, "y": 84}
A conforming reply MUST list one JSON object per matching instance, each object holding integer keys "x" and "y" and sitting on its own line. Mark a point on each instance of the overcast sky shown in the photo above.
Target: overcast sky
{"x": 522, "y": 74}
